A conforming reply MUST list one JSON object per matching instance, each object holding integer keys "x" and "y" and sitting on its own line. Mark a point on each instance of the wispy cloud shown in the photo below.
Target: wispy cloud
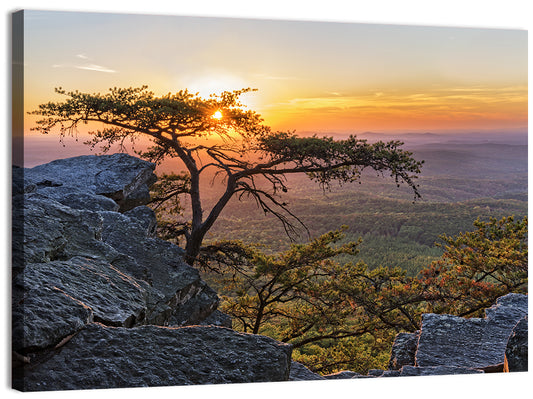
{"x": 85, "y": 66}
{"x": 97, "y": 68}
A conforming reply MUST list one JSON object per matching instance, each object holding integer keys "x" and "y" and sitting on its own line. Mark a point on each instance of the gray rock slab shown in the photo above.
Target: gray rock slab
{"x": 79, "y": 199}
{"x": 301, "y": 373}
{"x": 471, "y": 343}
{"x": 408, "y": 371}
{"x": 181, "y": 297}
{"x": 103, "y": 357}
{"x": 516, "y": 358}
{"x": 43, "y": 316}
{"x": 116, "y": 176}
{"x": 53, "y": 231}
{"x": 50, "y": 295}
{"x": 403, "y": 350}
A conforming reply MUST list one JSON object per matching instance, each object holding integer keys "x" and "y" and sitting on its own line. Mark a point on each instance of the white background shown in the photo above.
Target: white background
{"x": 515, "y": 14}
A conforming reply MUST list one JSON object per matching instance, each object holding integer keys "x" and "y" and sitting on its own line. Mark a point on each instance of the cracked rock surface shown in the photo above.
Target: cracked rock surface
{"x": 147, "y": 356}
{"x": 472, "y": 343}
{"x": 94, "y": 289}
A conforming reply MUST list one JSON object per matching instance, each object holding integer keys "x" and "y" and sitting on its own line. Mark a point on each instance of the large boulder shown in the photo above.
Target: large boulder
{"x": 183, "y": 298}
{"x": 301, "y": 373}
{"x": 516, "y": 349}
{"x": 103, "y": 357}
{"x": 54, "y": 293}
{"x": 470, "y": 343}
{"x": 403, "y": 350}
{"x": 121, "y": 177}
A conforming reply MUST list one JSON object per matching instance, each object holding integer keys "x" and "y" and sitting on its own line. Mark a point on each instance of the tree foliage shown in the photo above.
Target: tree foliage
{"x": 296, "y": 287}
{"x": 337, "y": 314}
{"x": 250, "y": 159}
{"x": 479, "y": 266}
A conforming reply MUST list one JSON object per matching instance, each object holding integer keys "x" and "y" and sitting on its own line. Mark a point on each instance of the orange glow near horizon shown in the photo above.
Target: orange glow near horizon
{"x": 454, "y": 108}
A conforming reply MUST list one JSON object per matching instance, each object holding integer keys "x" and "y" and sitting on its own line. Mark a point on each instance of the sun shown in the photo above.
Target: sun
{"x": 217, "y": 115}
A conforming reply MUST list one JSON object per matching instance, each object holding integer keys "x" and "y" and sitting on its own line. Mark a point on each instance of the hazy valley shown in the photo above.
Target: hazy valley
{"x": 463, "y": 178}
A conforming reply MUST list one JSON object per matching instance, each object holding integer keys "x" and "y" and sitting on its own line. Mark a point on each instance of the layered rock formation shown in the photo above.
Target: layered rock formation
{"x": 100, "y": 302}
{"x": 473, "y": 343}
{"x": 103, "y": 357}
{"x": 516, "y": 350}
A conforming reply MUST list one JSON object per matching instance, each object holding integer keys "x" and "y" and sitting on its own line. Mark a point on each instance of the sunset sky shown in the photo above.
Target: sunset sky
{"x": 310, "y": 76}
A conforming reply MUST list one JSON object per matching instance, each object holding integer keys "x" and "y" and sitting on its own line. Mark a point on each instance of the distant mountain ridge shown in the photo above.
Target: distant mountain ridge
{"x": 515, "y": 137}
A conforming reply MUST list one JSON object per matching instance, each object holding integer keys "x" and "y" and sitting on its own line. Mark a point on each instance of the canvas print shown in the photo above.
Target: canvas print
{"x": 220, "y": 200}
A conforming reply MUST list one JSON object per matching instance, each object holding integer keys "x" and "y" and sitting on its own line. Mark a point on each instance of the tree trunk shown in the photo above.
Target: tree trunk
{"x": 258, "y": 318}
{"x": 192, "y": 248}
{"x": 199, "y": 229}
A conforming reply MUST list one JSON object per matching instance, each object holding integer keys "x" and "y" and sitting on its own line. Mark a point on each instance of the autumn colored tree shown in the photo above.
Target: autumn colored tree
{"x": 217, "y": 136}
{"x": 334, "y": 314}
{"x": 479, "y": 266}
{"x": 295, "y": 289}
{"x": 475, "y": 269}
{"x": 344, "y": 314}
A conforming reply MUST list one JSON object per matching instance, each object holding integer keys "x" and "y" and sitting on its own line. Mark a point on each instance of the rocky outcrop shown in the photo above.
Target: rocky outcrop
{"x": 449, "y": 344}
{"x": 180, "y": 298}
{"x": 516, "y": 349}
{"x": 95, "y": 291}
{"x": 148, "y": 356}
{"x": 403, "y": 350}
{"x": 472, "y": 343}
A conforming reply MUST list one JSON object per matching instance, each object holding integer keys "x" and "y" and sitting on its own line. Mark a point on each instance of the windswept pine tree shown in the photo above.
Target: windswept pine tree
{"x": 219, "y": 135}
